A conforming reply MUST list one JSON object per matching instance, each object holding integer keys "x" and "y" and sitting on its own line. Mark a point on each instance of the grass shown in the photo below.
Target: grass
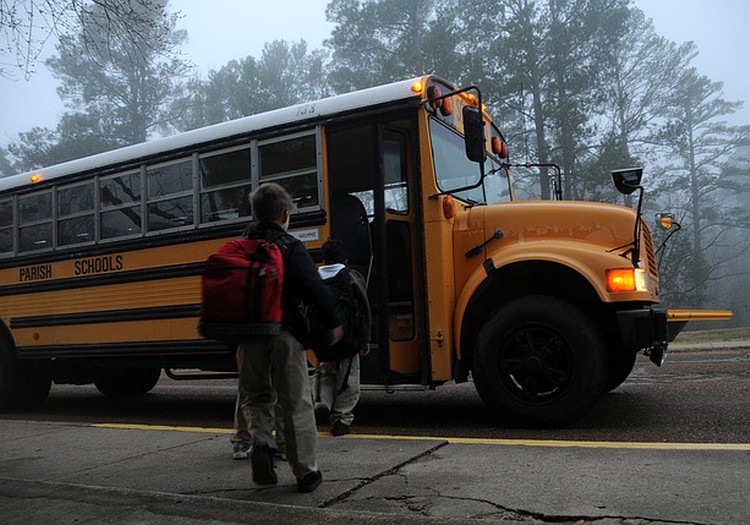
{"x": 714, "y": 336}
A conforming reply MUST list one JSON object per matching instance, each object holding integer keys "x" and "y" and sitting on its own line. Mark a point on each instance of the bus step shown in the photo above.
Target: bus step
{"x": 171, "y": 374}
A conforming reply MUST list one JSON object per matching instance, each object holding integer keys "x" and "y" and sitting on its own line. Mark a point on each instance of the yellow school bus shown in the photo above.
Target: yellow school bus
{"x": 544, "y": 305}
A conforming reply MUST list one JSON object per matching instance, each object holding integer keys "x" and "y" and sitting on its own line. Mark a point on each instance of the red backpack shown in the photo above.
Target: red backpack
{"x": 242, "y": 287}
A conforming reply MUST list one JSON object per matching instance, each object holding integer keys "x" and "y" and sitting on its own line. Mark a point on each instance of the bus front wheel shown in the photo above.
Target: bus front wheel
{"x": 24, "y": 384}
{"x": 128, "y": 381}
{"x": 540, "y": 362}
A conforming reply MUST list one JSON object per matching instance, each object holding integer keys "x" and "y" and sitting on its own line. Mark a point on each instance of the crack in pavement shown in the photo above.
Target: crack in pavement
{"x": 367, "y": 481}
{"x": 520, "y": 515}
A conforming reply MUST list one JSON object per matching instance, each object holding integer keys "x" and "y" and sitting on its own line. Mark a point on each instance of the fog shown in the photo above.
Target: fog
{"x": 223, "y": 30}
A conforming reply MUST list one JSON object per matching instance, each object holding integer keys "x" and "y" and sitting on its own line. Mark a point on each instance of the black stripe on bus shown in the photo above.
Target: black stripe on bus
{"x": 132, "y": 314}
{"x": 102, "y": 279}
{"x": 143, "y": 349}
{"x": 316, "y": 218}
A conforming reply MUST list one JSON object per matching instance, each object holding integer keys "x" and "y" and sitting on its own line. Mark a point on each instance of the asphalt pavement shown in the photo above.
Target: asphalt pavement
{"x": 108, "y": 473}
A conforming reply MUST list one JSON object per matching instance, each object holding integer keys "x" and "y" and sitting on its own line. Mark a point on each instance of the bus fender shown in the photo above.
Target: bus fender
{"x": 566, "y": 255}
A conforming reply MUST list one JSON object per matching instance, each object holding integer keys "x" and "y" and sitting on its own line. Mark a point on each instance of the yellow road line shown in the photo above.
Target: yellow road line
{"x": 133, "y": 426}
{"x": 472, "y": 441}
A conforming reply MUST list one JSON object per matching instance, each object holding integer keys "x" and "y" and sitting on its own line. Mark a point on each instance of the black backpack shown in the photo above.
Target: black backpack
{"x": 352, "y": 309}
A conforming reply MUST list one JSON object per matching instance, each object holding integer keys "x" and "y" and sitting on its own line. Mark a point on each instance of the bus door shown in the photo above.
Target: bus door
{"x": 371, "y": 170}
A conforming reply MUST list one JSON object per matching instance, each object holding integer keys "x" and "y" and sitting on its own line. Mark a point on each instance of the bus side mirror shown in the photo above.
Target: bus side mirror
{"x": 474, "y": 134}
{"x": 627, "y": 180}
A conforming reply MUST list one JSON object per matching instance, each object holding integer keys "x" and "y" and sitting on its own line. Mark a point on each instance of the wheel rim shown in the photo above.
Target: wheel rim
{"x": 535, "y": 364}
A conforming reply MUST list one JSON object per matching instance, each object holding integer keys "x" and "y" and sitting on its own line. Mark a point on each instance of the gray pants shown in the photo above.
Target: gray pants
{"x": 271, "y": 369}
{"x": 328, "y": 380}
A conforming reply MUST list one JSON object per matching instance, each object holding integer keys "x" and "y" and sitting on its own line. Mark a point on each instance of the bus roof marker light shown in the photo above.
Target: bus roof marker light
{"x": 36, "y": 177}
{"x": 417, "y": 87}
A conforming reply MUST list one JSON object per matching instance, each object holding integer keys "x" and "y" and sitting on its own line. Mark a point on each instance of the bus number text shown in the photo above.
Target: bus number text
{"x": 308, "y": 109}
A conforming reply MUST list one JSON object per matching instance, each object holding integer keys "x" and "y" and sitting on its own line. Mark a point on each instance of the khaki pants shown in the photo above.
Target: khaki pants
{"x": 242, "y": 424}
{"x": 274, "y": 368}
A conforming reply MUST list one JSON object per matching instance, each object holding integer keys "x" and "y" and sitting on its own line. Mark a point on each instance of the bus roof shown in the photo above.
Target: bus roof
{"x": 298, "y": 113}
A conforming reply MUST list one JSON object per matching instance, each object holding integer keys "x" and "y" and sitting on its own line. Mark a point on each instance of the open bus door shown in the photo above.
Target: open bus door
{"x": 372, "y": 209}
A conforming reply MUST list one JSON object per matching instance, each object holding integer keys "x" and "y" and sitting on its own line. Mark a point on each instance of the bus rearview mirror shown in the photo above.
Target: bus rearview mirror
{"x": 627, "y": 180}
{"x": 474, "y": 134}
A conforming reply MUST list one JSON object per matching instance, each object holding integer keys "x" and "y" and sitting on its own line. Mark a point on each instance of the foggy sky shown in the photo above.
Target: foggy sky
{"x": 222, "y": 30}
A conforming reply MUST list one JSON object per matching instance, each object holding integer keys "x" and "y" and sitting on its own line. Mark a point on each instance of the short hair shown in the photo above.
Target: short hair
{"x": 335, "y": 251}
{"x": 269, "y": 202}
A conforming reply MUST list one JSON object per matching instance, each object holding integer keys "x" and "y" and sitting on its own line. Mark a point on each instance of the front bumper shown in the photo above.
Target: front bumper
{"x": 652, "y": 327}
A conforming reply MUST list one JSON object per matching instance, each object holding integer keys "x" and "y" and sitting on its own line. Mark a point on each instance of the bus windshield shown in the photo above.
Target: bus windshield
{"x": 453, "y": 170}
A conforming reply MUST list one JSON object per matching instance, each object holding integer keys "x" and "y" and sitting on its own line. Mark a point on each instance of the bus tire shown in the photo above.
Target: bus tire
{"x": 126, "y": 382}
{"x": 621, "y": 364}
{"x": 24, "y": 384}
{"x": 540, "y": 362}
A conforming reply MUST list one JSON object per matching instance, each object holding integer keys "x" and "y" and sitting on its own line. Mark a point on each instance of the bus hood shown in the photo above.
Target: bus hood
{"x": 606, "y": 225}
{"x": 590, "y": 237}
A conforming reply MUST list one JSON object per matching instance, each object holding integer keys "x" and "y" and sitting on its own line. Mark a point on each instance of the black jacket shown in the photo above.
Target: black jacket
{"x": 302, "y": 284}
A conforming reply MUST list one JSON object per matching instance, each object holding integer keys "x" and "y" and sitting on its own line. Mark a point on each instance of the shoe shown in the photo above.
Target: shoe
{"x": 339, "y": 429}
{"x": 310, "y": 482}
{"x": 263, "y": 472}
{"x": 241, "y": 451}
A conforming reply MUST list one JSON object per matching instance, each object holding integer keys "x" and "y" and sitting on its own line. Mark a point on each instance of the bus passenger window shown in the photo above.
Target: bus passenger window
{"x": 225, "y": 186}
{"x": 122, "y": 222}
{"x": 75, "y": 211}
{"x": 120, "y": 203}
{"x": 293, "y": 163}
{"x": 170, "y": 196}
{"x": 6, "y": 226}
{"x": 35, "y": 232}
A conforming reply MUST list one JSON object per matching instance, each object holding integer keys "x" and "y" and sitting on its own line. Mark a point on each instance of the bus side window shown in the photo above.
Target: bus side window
{"x": 35, "y": 232}
{"x": 170, "y": 196}
{"x": 293, "y": 163}
{"x": 6, "y": 226}
{"x": 225, "y": 186}
{"x": 75, "y": 211}
{"x": 121, "y": 205}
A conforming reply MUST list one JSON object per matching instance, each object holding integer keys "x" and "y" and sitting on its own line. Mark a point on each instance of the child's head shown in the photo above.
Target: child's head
{"x": 271, "y": 203}
{"x": 334, "y": 251}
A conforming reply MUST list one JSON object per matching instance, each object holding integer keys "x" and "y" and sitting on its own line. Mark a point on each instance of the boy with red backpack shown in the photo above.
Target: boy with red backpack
{"x": 271, "y": 358}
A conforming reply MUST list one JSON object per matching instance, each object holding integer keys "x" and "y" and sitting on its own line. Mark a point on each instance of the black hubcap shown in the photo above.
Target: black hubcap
{"x": 535, "y": 364}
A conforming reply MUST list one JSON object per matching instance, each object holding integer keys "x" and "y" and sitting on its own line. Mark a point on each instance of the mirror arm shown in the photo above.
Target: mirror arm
{"x": 663, "y": 244}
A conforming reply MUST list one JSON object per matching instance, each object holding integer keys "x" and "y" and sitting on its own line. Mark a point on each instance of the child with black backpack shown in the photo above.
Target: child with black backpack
{"x": 336, "y": 381}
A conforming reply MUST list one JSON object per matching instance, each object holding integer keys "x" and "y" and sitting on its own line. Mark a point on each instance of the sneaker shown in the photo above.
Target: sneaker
{"x": 241, "y": 451}
{"x": 262, "y": 459}
{"x": 339, "y": 429}
{"x": 310, "y": 482}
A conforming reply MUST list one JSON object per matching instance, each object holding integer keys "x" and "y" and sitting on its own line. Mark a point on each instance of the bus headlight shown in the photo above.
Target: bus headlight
{"x": 627, "y": 280}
